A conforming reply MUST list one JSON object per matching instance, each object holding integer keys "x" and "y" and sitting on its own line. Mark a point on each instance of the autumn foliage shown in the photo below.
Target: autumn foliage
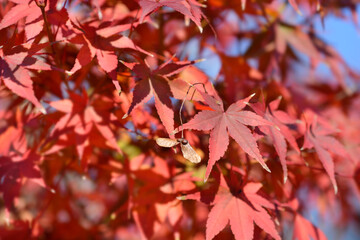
{"x": 107, "y": 106}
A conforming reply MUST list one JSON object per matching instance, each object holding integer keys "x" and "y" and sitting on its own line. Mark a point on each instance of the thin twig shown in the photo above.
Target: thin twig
{"x": 183, "y": 102}
{"x": 47, "y": 27}
{"x": 42, "y": 4}
{"x": 132, "y": 24}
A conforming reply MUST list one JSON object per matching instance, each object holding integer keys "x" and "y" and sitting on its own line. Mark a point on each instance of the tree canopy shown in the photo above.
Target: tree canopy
{"x": 176, "y": 119}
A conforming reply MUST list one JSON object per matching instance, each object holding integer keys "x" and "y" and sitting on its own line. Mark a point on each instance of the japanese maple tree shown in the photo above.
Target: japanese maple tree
{"x": 176, "y": 119}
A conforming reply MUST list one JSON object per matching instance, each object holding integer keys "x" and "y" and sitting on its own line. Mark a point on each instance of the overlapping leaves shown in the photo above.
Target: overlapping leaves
{"x": 156, "y": 83}
{"x": 237, "y": 204}
{"x": 15, "y": 65}
{"x": 189, "y": 8}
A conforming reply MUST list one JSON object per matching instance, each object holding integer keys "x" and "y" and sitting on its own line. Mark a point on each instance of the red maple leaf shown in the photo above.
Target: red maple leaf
{"x": 224, "y": 123}
{"x": 156, "y": 83}
{"x": 317, "y": 136}
{"x": 304, "y": 229}
{"x": 27, "y": 9}
{"x": 189, "y": 76}
{"x": 14, "y": 170}
{"x": 80, "y": 120}
{"x": 280, "y": 131}
{"x": 239, "y": 205}
{"x": 102, "y": 43}
{"x": 152, "y": 197}
{"x": 15, "y": 63}
{"x": 156, "y": 202}
{"x": 14, "y": 136}
{"x": 189, "y": 8}
{"x": 34, "y": 21}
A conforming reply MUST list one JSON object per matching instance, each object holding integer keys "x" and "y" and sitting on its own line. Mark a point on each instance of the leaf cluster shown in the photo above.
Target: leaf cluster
{"x": 93, "y": 95}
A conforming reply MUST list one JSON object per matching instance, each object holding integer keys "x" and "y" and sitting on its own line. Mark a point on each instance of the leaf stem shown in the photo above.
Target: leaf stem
{"x": 47, "y": 27}
{"x": 132, "y": 24}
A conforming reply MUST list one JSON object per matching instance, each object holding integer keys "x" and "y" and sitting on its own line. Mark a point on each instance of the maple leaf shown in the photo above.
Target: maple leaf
{"x": 102, "y": 43}
{"x": 304, "y": 229}
{"x": 189, "y": 76}
{"x": 242, "y": 207}
{"x": 224, "y": 123}
{"x": 34, "y": 21}
{"x": 315, "y": 48}
{"x": 152, "y": 197}
{"x": 14, "y": 137}
{"x": 189, "y": 8}
{"x": 15, "y": 63}
{"x": 27, "y": 9}
{"x": 10, "y": 137}
{"x": 279, "y": 132}
{"x": 156, "y": 83}
{"x": 14, "y": 170}
{"x": 317, "y": 136}
{"x": 19, "y": 229}
{"x": 234, "y": 76}
{"x": 79, "y": 120}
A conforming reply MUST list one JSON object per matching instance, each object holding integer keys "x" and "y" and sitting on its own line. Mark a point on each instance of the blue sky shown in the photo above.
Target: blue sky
{"x": 344, "y": 36}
